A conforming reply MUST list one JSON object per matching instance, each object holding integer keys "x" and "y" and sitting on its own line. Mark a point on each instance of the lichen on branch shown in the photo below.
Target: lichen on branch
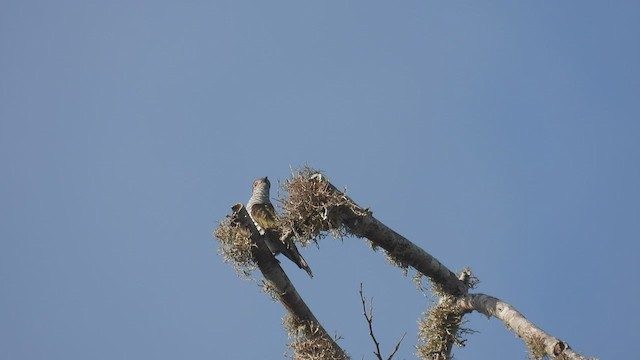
{"x": 309, "y": 342}
{"x": 313, "y": 208}
{"x": 235, "y": 246}
{"x": 440, "y": 329}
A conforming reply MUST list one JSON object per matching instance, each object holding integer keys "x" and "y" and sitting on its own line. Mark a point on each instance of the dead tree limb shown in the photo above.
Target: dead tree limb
{"x": 406, "y": 252}
{"x": 368, "y": 315}
{"x": 397, "y": 347}
{"x": 315, "y": 205}
{"x": 539, "y": 342}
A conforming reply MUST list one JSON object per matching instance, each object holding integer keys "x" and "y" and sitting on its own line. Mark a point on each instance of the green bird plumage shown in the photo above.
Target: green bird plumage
{"x": 265, "y": 218}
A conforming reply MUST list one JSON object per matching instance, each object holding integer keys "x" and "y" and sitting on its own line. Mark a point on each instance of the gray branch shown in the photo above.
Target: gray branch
{"x": 396, "y": 245}
{"x": 406, "y": 252}
{"x": 514, "y": 320}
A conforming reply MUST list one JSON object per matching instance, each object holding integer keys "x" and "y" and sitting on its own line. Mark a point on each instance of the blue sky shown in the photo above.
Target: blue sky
{"x": 497, "y": 135}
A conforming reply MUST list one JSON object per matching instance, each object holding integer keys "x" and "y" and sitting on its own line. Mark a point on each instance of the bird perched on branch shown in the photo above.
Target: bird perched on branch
{"x": 265, "y": 218}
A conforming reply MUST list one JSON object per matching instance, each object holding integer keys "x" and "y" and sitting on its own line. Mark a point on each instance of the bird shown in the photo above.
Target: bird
{"x": 265, "y": 218}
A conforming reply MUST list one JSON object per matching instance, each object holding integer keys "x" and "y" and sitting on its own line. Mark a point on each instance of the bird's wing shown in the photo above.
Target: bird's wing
{"x": 265, "y": 216}
{"x": 291, "y": 251}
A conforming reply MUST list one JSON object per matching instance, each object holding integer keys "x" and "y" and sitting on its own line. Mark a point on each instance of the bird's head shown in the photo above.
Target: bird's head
{"x": 262, "y": 182}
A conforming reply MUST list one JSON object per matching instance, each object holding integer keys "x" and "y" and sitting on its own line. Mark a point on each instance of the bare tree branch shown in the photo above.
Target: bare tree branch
{"x": 521, "y": 326}
{"x": 360, "y": 222}
{"x": 369, "y": 317}
{"x": 406, "y": 252}
{"x": 395, "y": 350}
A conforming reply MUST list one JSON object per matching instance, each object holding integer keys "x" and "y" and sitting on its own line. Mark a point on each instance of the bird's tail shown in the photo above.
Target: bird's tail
{"x": 288, "y": 248}
{"x": 293, "y": 254}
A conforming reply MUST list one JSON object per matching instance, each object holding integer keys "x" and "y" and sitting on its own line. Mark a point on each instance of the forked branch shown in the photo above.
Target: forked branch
{"x": 368, "y": 315}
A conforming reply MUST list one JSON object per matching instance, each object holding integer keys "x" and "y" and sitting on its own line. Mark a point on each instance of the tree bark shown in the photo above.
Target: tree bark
{"x": 406, "y": 252}
{"x": 514, "y": 320}
{"x": 396, "y": 245}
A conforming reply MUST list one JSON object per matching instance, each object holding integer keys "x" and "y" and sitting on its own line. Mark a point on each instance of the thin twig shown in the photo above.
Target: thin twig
{"x": 397, "y": 347}
{"x": 369, "y": 318}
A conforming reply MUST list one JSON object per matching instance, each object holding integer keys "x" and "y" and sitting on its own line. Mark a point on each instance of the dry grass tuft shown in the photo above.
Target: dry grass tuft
{"x": 537, "y": 351}
{"x": 307, "y": 342}
{"x": 467, "y": 277}
{"x": 440, "y": 329}
{"x": 397, "y": 262}
{"x": 417, "y": 280}
{"x": 235, "y": 246}
{"x": 535, "y": 345}
{"x": 313, "y": 207}
{"x": 437, "y": 289}
{"x": 271, "y": 289}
